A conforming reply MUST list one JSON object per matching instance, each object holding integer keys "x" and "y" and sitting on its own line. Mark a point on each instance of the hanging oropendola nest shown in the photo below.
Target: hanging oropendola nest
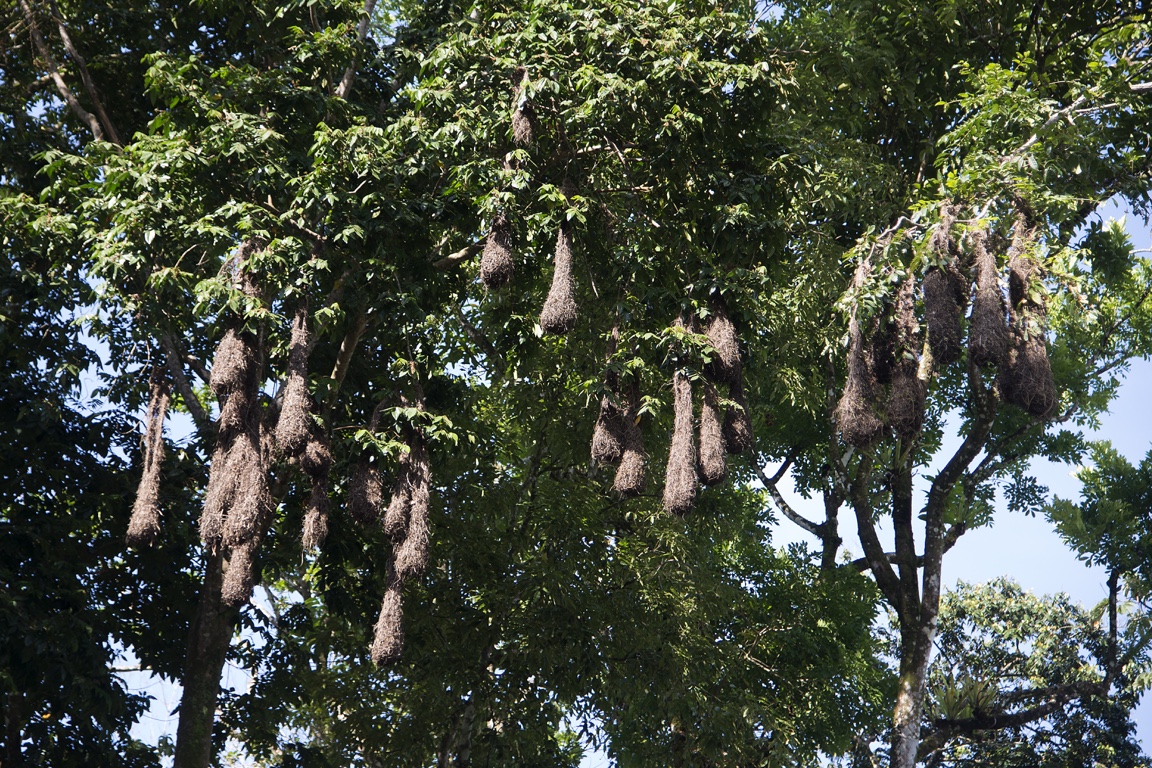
{"x": 608, "y": 434}
{"x": 713, "y": 453}
{"x": 854, "y": 414}
{"x": 524, "y": 116}
{"x": 680, "y": 480}
{"x": 496, "y": 264}
{"x": 400, "y": 501}
{"x": 315, "y": 529}
{"x": 738, "y": 437}
{"x": 365, "y": 492}
{"x": 388, "y": 634}
{"x": 233, "y": 362}
{"x": 294, "y": 427}
{"x": 559, "y": 314}
{"x": 144, "y": 525}
{"x": 251, "y": 508}
{"x": 631, "y": 473}
{"x": 987, "y": 329}
{"x": 316, "y": 458}
{"x": 409, "y": 557}
{"x": 907, "y": 395}
{"x": 1026, "y": 378}
{"x": 881, "y": 351}
{"x": 943, "y": 313}
{"x": 240, "y": 575}
{"x": 411, "y": 551}
{"x": 724, "y": 364}
{"x": 238, "y": 475}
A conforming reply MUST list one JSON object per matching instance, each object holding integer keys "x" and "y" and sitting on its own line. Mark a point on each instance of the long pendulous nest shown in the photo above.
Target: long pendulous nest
{"x": 907, "y": 395}
{"x": 240, "y": 575}
{"x": 608, "y": 434}
{"x": 988, "y": 329}
{"x": 524, "y": 117}
{"x": 412, "y": 551}
{"x": 631, "y": 473}
{"x": 943, "y": 313}
{"x": 294, "y": 426}
{"x": 315, "y": 529}
{"x": 881, "y": 349}
{"x": 144, "y": 526}
{"x": 316, "y": 458}
{"x": 680, "y": 479}
{"x": 738, "y": 437}
{"x": 524, "y": 124}
{"x": 365, "y": 492}
{"x": 713, "y": 452}
{"x": 388, "y": 634}
{"x": 559, "y": 314}
{"x": 1026, "y": 377}
{"x": 251, "y": 507}
{"x": 496, "y": 263}
{"x": 725, "y": 364}
{"x": 237, "y": 502}
{"x": 232, "y": 362}
{"x": 854, "y": 415}
{"x": 400, "y": 502}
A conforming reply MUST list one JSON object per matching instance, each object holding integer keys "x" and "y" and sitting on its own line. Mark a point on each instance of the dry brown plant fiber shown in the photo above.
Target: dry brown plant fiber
{"x": 854, "y": 414}
{"x": 907, "y": 396}
{"x": 251, "y": 506}
{"x": 497, "y": 266}
{"x": 943, "y": 315}
{"x": 365, "y": 492}
{"x": 1026, "y": 378}
{"x": 608, "y": 435}
{"x": 559, "y": 314}
{"x": 144, "y": 525}
{"x": 680, "y": 480}
{"x": 315, "y": 529}
{"x": 412, "y": 552}
{"x": 294, "y": 426}
{"x": 632, "y": 474}
{"x": 231, "y": 363}
{"x": 738, "y": 436}
{"x": 725, "y": 363}
{"x": 988, "y": 329}
{"x": 388, "y": 634}
{"x": 316, "y": 459}
{"x": 240, "y": 575}
{"x": 713, "y": 453}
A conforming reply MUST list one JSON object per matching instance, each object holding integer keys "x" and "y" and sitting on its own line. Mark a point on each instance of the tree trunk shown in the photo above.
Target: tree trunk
{"x": 12, "y": 756}
{"x": 208, "y": 642}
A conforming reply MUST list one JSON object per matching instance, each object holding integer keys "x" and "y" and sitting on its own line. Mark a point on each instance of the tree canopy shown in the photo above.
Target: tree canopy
{"x": 452, "y": 356}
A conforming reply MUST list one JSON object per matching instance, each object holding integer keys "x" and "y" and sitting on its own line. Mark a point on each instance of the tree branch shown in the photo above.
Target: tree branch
{"x": 344, "y": 356}
{"x": 873, "y": 551}
{"x": 783, "y": 505}
{"x": 183, "y": 386}
{"x": 349, "y": 77}
{"x": 54, "y": 71}
{"x": 452, "y": 259}
{"x": 85, "y": 76}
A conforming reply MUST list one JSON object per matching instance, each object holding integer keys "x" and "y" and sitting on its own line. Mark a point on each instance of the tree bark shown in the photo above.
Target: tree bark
{"x": 208, "y": 641}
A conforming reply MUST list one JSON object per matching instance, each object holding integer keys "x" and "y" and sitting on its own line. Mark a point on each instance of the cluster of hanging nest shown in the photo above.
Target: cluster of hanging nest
{"x": 886, "y": 382}
{"x": 694, "y": 456}
{"x": 405, "y": 522}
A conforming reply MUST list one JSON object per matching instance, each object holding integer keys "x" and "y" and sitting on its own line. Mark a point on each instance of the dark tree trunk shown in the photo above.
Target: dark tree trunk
{"x": 208, "y": 642}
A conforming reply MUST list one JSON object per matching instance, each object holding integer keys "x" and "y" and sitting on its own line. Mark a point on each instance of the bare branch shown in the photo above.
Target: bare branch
{"x": 176, "y": 368}
{"x": 344, "y": 356}
{"x": 349, "y": 77}
{"x": 54, "y": 71}
{"x": 85, "y": 76}
{"x": 452, "y": 259}
{"x": 783, "y": 505}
